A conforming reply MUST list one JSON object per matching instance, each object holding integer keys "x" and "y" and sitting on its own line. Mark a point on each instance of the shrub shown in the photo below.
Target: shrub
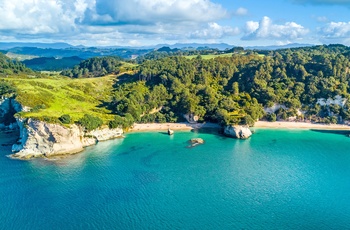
{"x": 118, "y": 121}
{"x": 65, "y": 119}
{"x": 90, "y": 122}
{"x": 6, "y": 88}
{"x": 48, "y": 119}
{"x": 271, "y": 117}
{"x": 248, "y": 120}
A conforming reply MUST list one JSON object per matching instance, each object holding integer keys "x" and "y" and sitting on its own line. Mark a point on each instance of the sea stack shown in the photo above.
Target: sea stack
{"x": 170, "y": 132}
{"x": 239, "y": 132}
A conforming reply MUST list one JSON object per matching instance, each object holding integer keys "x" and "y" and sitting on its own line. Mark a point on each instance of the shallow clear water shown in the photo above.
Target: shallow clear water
{"x": 278, "y": 179}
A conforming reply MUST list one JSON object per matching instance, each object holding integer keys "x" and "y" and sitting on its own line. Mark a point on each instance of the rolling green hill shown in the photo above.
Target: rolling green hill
{"x": 50, "y": 98}
{"x": 51, "y": 63}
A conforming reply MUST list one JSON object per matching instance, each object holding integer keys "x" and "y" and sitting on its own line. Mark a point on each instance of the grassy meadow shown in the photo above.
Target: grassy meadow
{"x": 49, "y": 98}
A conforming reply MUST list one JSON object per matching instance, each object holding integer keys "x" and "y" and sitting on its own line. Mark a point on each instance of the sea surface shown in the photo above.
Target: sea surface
{"x": 278, "y": 179}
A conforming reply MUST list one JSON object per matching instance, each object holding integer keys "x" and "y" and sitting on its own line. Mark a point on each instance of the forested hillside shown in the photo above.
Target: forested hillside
{"x": 52, "y": 64}
{"x": 10, "y": 67}
{"x": 95, "y": 67}
{"x": 233, "y": 89}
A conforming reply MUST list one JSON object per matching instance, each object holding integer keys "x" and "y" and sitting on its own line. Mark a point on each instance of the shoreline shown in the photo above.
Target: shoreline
{"x": 259, "y": 124}
{"x": 299, "y": 125}
{"x": 137, "y": 127}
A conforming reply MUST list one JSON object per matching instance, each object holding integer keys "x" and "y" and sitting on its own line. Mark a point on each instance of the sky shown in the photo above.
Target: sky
{"x": 151, "y": 22}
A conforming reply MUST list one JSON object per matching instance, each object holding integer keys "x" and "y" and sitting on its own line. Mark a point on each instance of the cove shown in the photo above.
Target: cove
{"x": 277, "y": 179}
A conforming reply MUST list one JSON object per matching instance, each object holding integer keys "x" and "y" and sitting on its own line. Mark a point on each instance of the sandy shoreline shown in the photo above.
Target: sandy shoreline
{"x": 172, "y": 126}
{"x": 299, "y": 125}
{"x": 259, "y": 124}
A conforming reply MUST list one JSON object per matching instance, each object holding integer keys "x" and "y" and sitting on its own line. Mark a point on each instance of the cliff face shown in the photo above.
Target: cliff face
{"x": 8, "y": 108}
{"x": 38, "y": 139}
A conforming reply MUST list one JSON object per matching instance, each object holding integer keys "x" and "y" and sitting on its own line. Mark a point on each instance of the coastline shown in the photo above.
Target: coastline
{"x": 299, "y": 125}
{"x": 137, "y": 127}
{"x": 259, "y": 124}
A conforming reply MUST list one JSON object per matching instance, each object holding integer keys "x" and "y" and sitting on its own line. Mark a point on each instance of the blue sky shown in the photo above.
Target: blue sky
{"x": 149, "y": 22}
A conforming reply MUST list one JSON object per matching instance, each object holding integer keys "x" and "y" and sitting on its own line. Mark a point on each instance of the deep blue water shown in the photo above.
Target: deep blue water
{"x": 278, "y": 179}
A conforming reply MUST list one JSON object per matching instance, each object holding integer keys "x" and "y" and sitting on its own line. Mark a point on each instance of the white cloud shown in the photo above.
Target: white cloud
{"x": 214, "y": 31}
{"x": 335, "y": 32}
{"x": 266, "y": 29}
{"x": 121, "y": 12}
{"x": 322, "y": 19}
{"x": 110, "y": 21}
{"x": 39, "y": 17}
{"x": 251, "y": 26}
{"x": 241, "y": 11}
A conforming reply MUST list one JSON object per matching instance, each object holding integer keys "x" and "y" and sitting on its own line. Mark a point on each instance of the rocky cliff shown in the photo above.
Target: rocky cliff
{"x": 40, "y": 139}
{"x": 8, "y": 108}
{"x": 240, "y": 132}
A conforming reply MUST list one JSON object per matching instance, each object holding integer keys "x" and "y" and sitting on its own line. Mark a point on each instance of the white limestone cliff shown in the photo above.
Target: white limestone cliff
{"x": 240, "y": 132}
{"x": 40, "y": 139}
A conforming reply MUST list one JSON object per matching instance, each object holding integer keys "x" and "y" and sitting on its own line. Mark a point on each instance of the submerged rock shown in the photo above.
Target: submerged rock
{"x": 240, "y": 132}
{"x": 196, "y": 141}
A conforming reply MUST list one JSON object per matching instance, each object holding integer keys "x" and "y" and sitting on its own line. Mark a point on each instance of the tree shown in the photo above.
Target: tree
{"x": 235, "y": 88}
{"x": 6, "y": 88}
{"x": 90, "y": 122}
{"x": 271, "y": 117}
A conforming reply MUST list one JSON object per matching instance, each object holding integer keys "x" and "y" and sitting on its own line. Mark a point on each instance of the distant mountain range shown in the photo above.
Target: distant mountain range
{"x": 83, "y": 53}
{"x": 288, "y": 46}
{"x": 186, "y": 46}
{"x": 57, "y": 45}
{"x": 220, "y": 46}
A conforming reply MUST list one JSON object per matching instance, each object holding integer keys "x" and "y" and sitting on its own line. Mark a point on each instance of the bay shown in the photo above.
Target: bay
{"x": 278, "y": 179}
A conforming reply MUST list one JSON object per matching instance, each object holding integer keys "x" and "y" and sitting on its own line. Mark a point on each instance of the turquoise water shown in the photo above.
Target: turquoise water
{"x": 278, "y": 179}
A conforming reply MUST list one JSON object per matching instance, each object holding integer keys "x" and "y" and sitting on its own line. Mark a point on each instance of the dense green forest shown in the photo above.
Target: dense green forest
{"x": 11, "y": 67}
{"x": 235, "y": 89}
{"x": 52, "y": 64}
{"x": 95, "y": 67}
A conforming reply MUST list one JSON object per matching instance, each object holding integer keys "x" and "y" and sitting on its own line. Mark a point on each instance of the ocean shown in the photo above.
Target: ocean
{"x": 277, "y": 179}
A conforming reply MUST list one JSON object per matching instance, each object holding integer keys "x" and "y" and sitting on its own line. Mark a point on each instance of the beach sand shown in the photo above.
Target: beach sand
{"x": 172, "y": 126}
{"x": 259, "y": 124}
{"x": 299, "y": 125}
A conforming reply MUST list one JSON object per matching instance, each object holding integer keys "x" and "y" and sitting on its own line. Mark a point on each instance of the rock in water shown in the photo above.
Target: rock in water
{"x": 196, "y": 141}
{"x": 240, "y": 132}
{"x": 170, "y": 132}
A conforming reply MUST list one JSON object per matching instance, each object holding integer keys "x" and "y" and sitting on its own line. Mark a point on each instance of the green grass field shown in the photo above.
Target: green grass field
{"x": 60, "y": 95}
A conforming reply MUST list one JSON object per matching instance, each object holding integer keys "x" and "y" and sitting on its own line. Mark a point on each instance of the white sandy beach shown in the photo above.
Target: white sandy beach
{"x": 259, "y": 124}
{"x": 172, "y": 126}
{"x": 299, "y": 125}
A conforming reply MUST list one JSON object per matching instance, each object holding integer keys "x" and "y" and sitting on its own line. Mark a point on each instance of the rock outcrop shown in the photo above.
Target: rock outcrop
{"x": 170, "y": 132}
{"x": 8, "y": 108}
{"x": 40, "y": 139}
{"x": 240, "y": 132}
{"x": 195, "y": 141}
